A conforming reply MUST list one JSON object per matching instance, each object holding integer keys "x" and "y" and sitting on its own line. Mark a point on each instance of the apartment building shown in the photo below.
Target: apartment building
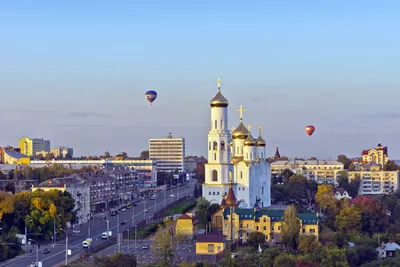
{"x": 30, "y": 146}
{"x": 322, "y": 171}
{"x": 169, "y": 153}
{"x": 375, "y": 181}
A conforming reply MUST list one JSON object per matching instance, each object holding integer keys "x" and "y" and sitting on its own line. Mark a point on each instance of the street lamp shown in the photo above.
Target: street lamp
{"x": 66, "y": 246}
{"x": 108, "y": 225}
{"x": 26, "y": 235}
{"x": 37, "y": 251}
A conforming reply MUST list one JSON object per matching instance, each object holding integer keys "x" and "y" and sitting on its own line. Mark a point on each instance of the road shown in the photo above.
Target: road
{"x": 97, "y": 226}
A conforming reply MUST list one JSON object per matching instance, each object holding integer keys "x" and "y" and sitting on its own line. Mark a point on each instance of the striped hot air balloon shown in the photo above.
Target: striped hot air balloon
{"x": 151, "y": 96}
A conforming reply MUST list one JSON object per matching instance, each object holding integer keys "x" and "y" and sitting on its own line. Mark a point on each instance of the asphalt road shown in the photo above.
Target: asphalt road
{"x": 97, "y": 227}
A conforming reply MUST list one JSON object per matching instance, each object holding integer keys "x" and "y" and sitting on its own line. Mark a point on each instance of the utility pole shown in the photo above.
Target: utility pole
{"x": 54, "y": 232}
{"x": 128, "y": 239}
{"x": 135, "y": 235}
{"x": 133, "y": 215}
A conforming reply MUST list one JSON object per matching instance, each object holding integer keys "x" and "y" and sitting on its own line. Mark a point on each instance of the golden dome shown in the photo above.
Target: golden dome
{"x": 219, "y": 100}
{"x": 260, "y": 141}
{"x": 249, "y": 141}
{"x": 241, "y": 132}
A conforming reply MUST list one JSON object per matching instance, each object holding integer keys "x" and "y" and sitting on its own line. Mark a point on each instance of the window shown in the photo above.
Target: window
{"x": 256, "y": 228}
{"x": 237, "y": 148}
{"x": 239, "y": 188}
{"x": 211, "y": 248}
{"x": 279, "y": 228}
{"x": 217, "y": 193}
{"x": 209, "y": 145}
{"x": 214, "y": 193}
{"x": 215, "y": 156}
{"x": 214, "y": 176}
{"x": 304, "y": 231}
{"x": 312, "y": 231}
{"x": 248, "y": 226}
{"x": 215, "y": 125}
{"x": 209, "y": 193}
{"x": 222, "y": 145}
{"x": 226, "y": 225}
{"x": 222, "y": 124}
{"x": 265, "y": 219}
{"x": 215, "y": 146}
{"x": 241, "y": 225}
{"x": 272, "y": 228}
{"x": 265, "y": 228}
{"x": 241, "y": 175}
{"x": 262, "y": 190}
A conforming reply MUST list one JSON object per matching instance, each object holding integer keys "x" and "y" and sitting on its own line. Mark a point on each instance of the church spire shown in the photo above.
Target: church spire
{"x": 230, "y": 199}
{"x": 277, "y": 155}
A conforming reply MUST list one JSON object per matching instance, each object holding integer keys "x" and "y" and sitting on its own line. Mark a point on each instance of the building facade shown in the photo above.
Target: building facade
{"x": 13, "y": 157}
{"x": 235, "y": 158}
{"x": 30, "y": 146}
{"x": 169, "y": 153}
{"x": 378, "y": 155}
{"x": 375, "y": 181}
{"x": 322, "y": 171}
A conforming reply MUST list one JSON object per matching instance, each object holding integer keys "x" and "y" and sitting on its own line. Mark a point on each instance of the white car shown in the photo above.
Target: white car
{"x": 172, "y": 195}
{"x": 145, "y": 211}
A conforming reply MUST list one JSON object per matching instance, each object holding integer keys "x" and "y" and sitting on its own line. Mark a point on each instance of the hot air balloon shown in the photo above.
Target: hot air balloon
{"x": 151, "y": 96}
{"x": 310, "y": 129}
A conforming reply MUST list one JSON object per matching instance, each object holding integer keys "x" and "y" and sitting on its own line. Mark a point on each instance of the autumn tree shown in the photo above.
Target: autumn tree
{"x": 335, "y": 258}
{"x": 164, "y": 243}
{"x": 290, "y": 228}
{"x": 200, "y": 172}
{"x": 307, "y": 243}
{"x": 348, "y": 220}
{"x": 107, "y": 155}
{"x": 373, "y": 215}
{"x": 325, "y": 197}
{"x": 285, "y": 260}
{"x": 144, "y": 155}
{"x": 6, "y": 203}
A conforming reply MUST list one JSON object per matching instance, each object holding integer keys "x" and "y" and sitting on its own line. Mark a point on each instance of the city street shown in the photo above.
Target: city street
{"x": 97, "y": 226}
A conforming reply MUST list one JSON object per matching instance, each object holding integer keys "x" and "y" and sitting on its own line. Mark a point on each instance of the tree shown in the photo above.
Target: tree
{"x": 6, "y": 203}
{"x": 211, "y": 210}
{"x": 164, "y": 241}
{"x": 390, "y": 166}
{"x": 200, "y": 172}
{"x": 353, "y": 187}
{"x": 307, "y": 243}
{"x": 124, "y": 155}
{"x": 202, "y": 211}
{"x": 285, "y": 260}
{"x": 373, "y": 215}
{"x": 290, "y": 228}
{"x": 107, "y": 155}
{"x": 2, "y": 176}
{"x": 144, "y": 155}
{"x": 10, "y": 187}
{"x": 325, "y": 197}
{"x": 348, "y": 220}
{"x": 255, "y": 239}
{"x": 335, "y": 258}
{"x": 116, "y": 260}
{"x": 306, "y": 263}
{"x": 346, "y": 161}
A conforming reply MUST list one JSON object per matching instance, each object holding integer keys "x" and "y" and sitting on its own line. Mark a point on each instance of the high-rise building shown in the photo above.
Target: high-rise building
{"x": 30, "y": 146}
{"x": 169, "y": 153}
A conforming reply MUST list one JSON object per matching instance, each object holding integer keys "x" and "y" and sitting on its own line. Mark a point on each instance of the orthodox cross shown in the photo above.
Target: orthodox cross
{"x": 241, "y": 110}
{"x": 249, "y": 127}
{"x": 260, "y": 129}
{"x": 219, "y": 84}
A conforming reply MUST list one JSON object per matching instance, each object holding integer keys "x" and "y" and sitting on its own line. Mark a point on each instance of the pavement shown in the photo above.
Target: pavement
{"x": 96, "y": 227}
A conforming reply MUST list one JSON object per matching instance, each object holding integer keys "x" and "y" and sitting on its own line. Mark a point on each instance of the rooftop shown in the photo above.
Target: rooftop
{"x": 15, "y": 154}
{"x": 211, "y": 237}
{"x": 306, "y": 162}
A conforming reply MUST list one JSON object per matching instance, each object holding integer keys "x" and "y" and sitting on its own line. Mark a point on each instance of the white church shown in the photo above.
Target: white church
{"x": 237, "y": 158}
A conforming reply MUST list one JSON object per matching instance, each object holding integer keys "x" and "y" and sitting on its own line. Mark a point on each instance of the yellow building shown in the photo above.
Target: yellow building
{"x": 25, "y": 145}
{"x": 184, "y": 226}
{"x": 49, "y": 186}
{"x": 375, "y": 181}
{"x": 210, "y": 244}
{"x": 13, "y": 157}
{"x": 30, "y": 146}
{"x": 268, "y": 222}
{"x": 379, "y": 155}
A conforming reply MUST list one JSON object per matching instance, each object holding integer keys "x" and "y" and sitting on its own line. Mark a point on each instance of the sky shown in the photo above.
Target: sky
{"x": 76, "y": 72}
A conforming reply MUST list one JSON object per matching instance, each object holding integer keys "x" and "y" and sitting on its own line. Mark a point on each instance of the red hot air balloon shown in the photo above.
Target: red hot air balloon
{"x": 151, "y": 96}
{"x": 310, "y": 130}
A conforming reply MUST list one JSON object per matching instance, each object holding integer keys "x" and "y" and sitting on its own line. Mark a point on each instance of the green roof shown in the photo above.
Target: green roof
{"x": 274, "y": 215}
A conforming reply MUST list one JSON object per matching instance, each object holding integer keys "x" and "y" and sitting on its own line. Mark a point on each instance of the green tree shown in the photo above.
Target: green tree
{"x": 255, "y": 239}
{"x": 107, "y": 155}
{"x": 346, "y": 161}
{"x": 165, "y": 241}
{"x": 116, "y": 260}
{"x": 335, "y": 258}
{"x": 390, "y": 166}
{"x": 268, "y": 256}
{"x": 213, "y": 208}
{"x": 202, "y": 211}
{"x": 285, "y": 260}
{"x": 290, "y": 228}
{"x": 348, "y": 220}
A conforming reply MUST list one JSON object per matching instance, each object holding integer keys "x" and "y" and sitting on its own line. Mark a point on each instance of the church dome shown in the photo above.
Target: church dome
{"x": 241, "y": 132}
{"x": 260, "y": 141}
{"x": 219, "y": 101}
{"x": 249, "y": 141}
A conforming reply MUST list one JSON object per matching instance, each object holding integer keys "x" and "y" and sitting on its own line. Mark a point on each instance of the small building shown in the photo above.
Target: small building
{"x": 379, "y": 155}
{"x": 13, "y": 157}
{"x": 387, "y": 250}
{"x": 184, "y": 226}
{"x": 210, "y": 244}
{"x": 341, "y": 193}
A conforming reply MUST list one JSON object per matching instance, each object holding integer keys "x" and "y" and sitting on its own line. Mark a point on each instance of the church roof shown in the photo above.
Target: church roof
{"x": 260, "y": 141}
{"x": 241, "y": 132}
{"x": 277, "y": 154}
{"x": 219, "y": 100}
{"x": 249, "y": 141}
{"x": 230, "y": 199}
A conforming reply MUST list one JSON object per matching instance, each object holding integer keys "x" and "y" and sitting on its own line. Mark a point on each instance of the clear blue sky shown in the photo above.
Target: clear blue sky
{"x": 75, "y": 72}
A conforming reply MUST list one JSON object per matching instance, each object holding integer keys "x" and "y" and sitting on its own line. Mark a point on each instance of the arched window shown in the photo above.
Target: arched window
{"x": 215, "y": 156}
{"x": 262, "y": 190}
{"x": 215, "y": 124}
{"x": 214, "y": 176}
{"x": 237, "y": 148}
{"x": 215, "y": 146}
{"x": 241, "y": 174}
{"x": 223, "y": 145}
{"x": 222, "y": 124}
{"x": 209, "y": 145}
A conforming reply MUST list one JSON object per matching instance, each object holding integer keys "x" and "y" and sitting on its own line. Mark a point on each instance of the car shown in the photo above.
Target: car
{"x": 145, "y": 246}
{"x": 145, "y": 211}
{"x": 122, "y": 223}
{"x": 33, "y": 264}
{"x": 123, "y": 209}
{"x": 172, "y": 195}
{"x": 46, "y": 251}
{"x": 76, "y": 231}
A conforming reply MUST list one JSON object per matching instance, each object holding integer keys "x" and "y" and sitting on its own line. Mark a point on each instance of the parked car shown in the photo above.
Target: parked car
{"x": 145, "y": 246}
{"x": 46, "y": 251}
